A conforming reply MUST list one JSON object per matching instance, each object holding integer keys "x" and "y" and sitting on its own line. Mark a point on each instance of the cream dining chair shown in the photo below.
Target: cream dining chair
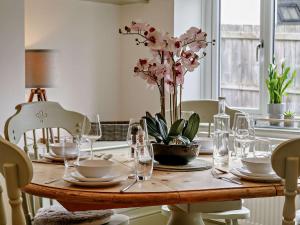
{"x": 206, "y": 110}
{"x": 286, "y": 164}
{"x": 16, "y": 168}
{"x": 31, "y": 117}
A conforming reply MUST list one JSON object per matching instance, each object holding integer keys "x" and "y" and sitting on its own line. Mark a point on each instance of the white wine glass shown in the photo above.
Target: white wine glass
{"x": 95, "y": 132}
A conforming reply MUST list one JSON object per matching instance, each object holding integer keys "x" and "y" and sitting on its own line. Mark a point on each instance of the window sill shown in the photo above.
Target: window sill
{"x": 276, "y": 134}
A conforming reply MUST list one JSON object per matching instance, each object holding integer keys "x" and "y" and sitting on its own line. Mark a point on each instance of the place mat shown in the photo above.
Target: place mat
{"x": 195, "y": 165}
{"x": 47, "y": 161}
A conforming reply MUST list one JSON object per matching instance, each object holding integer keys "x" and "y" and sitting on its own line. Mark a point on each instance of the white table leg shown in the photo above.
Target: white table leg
{"x": 180, "y": 217}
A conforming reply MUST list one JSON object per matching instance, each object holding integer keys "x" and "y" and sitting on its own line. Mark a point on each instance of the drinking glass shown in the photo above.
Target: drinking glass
{"x": 244, "y": 136}
{"x": 137, "y": 134}
{"x": 144, "y": 161}
{"x": 262, "y": 148}
{"x": 236, "y": 115}
{"x": 95, "y": 131}
{"x": 70, "y": 150}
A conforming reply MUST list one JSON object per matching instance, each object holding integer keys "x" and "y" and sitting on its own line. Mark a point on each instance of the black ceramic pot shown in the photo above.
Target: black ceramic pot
{"x": 175, "y": 154}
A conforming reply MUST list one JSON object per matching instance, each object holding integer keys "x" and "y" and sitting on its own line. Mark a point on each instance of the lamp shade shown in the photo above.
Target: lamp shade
{"x": 40, "y": 68}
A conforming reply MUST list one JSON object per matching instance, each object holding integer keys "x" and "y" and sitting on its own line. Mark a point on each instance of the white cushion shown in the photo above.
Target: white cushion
{"x": 57, "y": 215}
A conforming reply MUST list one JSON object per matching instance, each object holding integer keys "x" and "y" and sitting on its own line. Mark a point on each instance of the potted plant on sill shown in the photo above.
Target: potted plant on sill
{"x": 172, "y": 58}
{"x": 277, "y": 84}
{"x": 290, "y": 116}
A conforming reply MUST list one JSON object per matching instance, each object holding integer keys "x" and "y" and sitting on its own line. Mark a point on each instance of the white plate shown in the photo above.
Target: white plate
{"x": 58, "y": 158}
{"x": 253, "y": 178}
{"x": 248, "y": 173}
{"x": 53, "y": 158}
{"x": 107, "y": 178}
{"x": 73, "y": 181}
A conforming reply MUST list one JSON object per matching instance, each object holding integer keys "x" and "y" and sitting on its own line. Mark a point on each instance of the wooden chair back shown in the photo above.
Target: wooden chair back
{"x": 35, "y": 116}
{"x": 42, "y": 115}
{"x": 206, "y": 110}
{"x": 16, "y": 169}
{"x": 286, "y": 164}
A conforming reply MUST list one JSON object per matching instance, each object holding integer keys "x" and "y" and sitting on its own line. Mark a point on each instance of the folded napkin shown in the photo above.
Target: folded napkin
{"x": 57, "y": 215}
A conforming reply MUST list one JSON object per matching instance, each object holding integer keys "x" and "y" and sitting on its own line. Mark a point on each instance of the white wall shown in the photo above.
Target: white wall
{"x": 11, "y": 57}
{"x": 86, "y": 35}
{"x": 11, "y": 63}
{"x": 135, "y": 97}
{"x": 96, "y": 67}
{"x": 186, "y": 15}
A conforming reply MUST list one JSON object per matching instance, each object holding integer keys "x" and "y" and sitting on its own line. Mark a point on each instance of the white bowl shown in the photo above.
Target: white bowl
{"x": 258, "y": 165}
{"x": 59, "y": 148}
{"x": 96, "y": 168}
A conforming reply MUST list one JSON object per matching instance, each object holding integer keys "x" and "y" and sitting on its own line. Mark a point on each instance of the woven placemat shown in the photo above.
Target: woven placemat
{"x": 195, "y": 165}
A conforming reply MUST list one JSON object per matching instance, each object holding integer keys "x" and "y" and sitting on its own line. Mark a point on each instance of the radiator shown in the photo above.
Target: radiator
{"x": 264, "y": 211}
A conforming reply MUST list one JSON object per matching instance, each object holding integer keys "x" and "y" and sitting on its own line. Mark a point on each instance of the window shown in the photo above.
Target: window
{"x": 287, "y": 45}
{"x": 239, "y": 36}
{"x": 249, "y": 33}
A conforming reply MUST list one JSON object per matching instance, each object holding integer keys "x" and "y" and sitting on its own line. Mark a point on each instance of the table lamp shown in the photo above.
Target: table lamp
{"x": 40, "y": 72}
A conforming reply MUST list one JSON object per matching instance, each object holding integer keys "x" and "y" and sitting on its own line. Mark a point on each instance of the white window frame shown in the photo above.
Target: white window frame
{"x": 210, "y": 85}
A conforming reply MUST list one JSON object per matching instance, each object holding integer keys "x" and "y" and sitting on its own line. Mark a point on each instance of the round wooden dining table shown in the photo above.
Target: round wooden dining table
{"x": 186, "y": 190}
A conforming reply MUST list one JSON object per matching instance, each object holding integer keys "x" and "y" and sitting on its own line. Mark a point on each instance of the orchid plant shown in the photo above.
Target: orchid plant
{"x": 172, "y": 58}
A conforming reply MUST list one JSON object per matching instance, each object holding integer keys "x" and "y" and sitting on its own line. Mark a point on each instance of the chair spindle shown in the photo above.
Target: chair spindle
{"x": 14, "y": 194}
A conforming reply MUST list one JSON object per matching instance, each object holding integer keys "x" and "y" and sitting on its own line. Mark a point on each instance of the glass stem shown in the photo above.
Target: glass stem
{"x": 243, "y": 150}
{"x": 92, "y": 152}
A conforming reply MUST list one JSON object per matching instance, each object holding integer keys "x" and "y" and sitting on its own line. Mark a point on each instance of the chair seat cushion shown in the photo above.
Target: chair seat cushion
{"x": 57, "y": 215}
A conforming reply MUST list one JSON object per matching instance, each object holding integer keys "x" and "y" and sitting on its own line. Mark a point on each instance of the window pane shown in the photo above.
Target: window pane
{"x": 240, "y": 34}
{"x": 287, "y": 45}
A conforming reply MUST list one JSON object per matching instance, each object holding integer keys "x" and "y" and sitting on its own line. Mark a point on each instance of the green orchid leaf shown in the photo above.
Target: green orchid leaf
{"x": 192, "y": 127}
{"x": 162, "y": 127}
{"x": 159, "y": 116}
{"x": 177, "y": 127}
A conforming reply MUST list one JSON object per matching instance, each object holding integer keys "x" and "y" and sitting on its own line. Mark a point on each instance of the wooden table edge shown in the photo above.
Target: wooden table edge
{"x": 105, "y": 200}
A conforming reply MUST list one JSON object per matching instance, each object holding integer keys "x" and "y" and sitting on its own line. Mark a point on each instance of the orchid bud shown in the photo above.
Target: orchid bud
{"x": 127, "y": 29}
{"x": 152, "y": 29}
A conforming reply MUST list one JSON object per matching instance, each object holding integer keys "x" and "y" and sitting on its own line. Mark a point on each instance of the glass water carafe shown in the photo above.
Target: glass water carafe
{"x": 221, "y": 135}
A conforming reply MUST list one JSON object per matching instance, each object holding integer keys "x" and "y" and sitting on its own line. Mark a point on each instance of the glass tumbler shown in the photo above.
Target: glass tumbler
{"x": 70, "y": 151}
{"x": 262, "y": 148}
{"x": 144, "y": 161}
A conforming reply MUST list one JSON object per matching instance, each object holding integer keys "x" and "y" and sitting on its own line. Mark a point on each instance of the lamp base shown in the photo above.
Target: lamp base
{"x": 39, "y": 92}
{"x": 41, "y": 97}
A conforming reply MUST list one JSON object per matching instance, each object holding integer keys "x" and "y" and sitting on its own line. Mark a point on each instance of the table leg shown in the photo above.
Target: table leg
{"x": 180, "y": 217}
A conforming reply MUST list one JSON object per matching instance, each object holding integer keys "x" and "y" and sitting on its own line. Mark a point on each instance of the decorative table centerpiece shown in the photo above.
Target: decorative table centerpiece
{"x": 172, "y": 58}
{"x": 277, "y": 84}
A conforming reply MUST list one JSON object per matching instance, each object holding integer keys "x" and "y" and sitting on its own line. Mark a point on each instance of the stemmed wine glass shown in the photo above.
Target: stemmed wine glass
{"x": 95, "y": 132}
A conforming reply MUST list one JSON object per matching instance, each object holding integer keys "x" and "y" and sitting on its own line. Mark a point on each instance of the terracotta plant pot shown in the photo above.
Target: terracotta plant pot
{"x": 175, "y": 154}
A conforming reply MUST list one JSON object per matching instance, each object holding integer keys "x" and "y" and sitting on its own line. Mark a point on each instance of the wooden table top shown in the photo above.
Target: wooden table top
{"x": 163, "y": 188}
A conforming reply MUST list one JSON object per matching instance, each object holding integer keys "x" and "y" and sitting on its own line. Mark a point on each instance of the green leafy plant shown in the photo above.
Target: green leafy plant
{"x": 277, "y": 83}
{"x": 181, "y": 131}
{"x": 289, "y": 114}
